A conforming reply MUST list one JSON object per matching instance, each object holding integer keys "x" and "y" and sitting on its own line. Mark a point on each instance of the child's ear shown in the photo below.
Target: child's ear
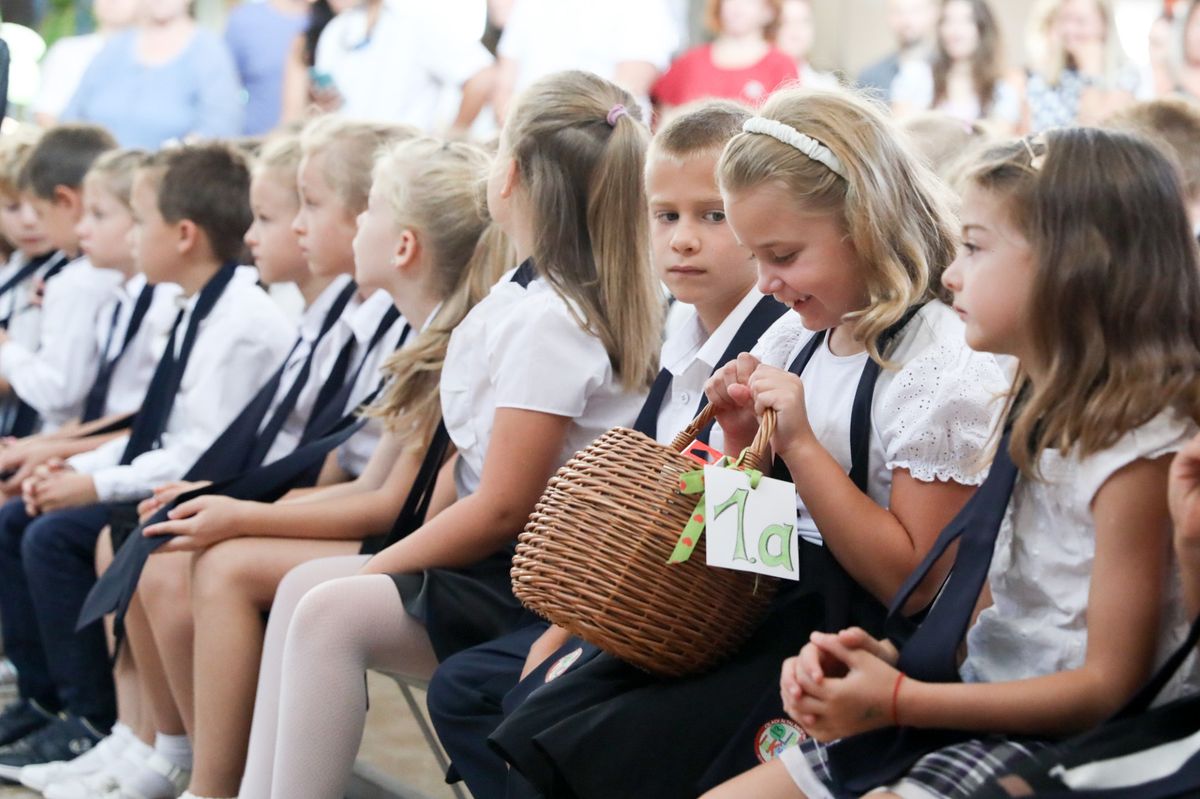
{"x": 512, "y": 179}
{"x": 408, "y": 248}
{"x": 188, "y": 236}
{"x": 68, "y": 198}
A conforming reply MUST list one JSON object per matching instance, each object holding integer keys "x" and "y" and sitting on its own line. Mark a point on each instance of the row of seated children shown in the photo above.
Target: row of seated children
{"x": 838, "y": 221}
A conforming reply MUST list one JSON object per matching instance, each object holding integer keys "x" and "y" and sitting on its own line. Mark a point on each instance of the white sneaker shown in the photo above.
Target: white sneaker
{"x": 174, "y": 781}
{"x": 43, "y": 775}
{"x": 88, "y": 787}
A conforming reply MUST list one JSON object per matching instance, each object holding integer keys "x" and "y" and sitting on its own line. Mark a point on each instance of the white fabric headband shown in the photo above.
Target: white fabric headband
{"x": 789, "y": 135}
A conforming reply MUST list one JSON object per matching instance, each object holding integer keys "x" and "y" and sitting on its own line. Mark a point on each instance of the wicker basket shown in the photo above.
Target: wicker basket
{"x": 593, "y": 558}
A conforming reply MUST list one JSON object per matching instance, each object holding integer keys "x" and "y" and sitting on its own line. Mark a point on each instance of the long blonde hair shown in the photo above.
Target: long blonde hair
{"x": 437, "y": 190}
{"x": 1115, "y": 310}
{"x": 350, "y": 147}
{"x": 1050, "y": 60}
{"x": 583, "y": 178}
{"x": 896, "y": 212}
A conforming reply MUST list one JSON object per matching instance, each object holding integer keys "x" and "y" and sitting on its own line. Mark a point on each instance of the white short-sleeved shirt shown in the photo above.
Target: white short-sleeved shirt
{"x": 1042, "y": 567}
{"x": 690, "y": 355}
{"x": 238, "y": 346}
{"x": 55, "y": 377}
{"x": 523, "y": 348}
{"x": 933, "y": 415}
{"x": 353, "y": 455}
{"x": 130, "y": 378}
{"x": 311, "y": 321}
{"x": 415, "y": 52}
{"x": 546, "y": 36}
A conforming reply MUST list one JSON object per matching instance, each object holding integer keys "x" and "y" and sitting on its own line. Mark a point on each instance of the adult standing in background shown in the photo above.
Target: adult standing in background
{"x": 164, "y": 79}
{"x": 966, "y": 79}
{"x": 1080, "y": 74}
{"x": 912, "y": 23}
{"x": 795, "y": 36}
{"x": 629, "y": 42}
{"x": 1175, "y": 53}
{"x": 741, "y": 64}
{"x": 260, "y": 34}
{"x": 391, "y": 60}
{"x": 68, "y": 58}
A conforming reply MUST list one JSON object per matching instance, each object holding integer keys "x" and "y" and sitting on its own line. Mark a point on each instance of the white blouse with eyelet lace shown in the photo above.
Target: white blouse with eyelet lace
{"x": 932, "y": 415}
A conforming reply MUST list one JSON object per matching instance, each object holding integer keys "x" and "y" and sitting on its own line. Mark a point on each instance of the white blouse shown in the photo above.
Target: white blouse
{"x": 1042, "y": 568}
{"x": 523, "y": 348}
{"x": 932, "y": 415}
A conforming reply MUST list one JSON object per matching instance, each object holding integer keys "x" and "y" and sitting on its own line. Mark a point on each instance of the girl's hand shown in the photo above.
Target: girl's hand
{"x": 859, "y": 702}
{"x": 199, "y": 523}
{"x": 165, "y": 494}
{"x": 784, "y": 392}
{"x": 1183, "y": 497}
{"x": 729, "y": 392}
{"x": 817, "y": 664}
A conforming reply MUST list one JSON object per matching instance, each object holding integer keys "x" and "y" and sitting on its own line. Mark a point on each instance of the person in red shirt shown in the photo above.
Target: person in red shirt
{"x": 740, "y": 64}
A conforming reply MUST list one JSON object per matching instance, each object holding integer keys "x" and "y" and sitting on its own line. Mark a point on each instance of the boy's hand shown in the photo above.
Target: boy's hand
{"x": 728, "y": 390}
{"x": 64, "y": 489}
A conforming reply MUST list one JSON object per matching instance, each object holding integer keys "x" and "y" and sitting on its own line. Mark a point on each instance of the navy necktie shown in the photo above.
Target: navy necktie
{"x": 24, "y": 273}
{"x": 97, "y": 396}
{"x": 164, "y": 385}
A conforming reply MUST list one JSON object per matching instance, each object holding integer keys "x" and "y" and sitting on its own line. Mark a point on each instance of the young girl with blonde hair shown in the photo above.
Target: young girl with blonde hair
{"x": 882, "y": 434}
{"x": 1062, "y": 582}
{"x": 560, "y": 351}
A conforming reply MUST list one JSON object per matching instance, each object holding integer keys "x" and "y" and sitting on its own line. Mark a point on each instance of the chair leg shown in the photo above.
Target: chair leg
{"x": 435, "y": 746}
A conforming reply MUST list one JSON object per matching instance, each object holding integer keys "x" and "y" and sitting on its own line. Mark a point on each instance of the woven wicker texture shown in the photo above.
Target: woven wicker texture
{"x": 593, "y": 558}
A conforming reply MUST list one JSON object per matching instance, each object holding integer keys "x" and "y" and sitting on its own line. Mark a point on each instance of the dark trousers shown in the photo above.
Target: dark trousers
{"x": 466, "y": 703}
{"x": 47, "y": 567}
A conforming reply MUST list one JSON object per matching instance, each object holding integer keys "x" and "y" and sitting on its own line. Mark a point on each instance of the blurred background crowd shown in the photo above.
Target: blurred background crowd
{"x": 156, "y": 70}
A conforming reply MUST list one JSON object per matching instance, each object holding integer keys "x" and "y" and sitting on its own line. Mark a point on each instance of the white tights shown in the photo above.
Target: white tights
{"x": 328, "y": 626}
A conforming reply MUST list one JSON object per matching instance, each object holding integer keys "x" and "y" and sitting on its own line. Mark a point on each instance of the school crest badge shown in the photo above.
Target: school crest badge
{"x": 562, "y": 664}
{"x": 775, "y": 736}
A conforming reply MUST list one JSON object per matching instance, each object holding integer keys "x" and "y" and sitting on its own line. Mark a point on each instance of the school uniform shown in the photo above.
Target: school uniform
{"x": 21, "y": 315}
{"x": 467, "y": 694}
{"x": 224, "y": 341}
{"x": 54, "y": 378}
{"x": 931, "y": 416}
{"x": 520, "y": 347}
{"x": 1037, "y": 557}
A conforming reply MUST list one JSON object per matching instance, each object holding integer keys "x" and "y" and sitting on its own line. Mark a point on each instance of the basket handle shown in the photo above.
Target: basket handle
{"x": 756, "y": 453}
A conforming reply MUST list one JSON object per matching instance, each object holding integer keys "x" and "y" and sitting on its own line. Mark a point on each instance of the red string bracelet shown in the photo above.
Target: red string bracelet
{"x": 896, "y": 699}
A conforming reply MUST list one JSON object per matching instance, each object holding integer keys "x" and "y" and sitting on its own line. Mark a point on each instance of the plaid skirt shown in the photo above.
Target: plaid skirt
{"x": 954, "y": 772}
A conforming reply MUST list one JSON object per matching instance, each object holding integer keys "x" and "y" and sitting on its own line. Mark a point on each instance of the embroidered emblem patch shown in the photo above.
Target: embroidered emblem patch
{"x": 775, "y": 736}
{"x": 562, "y": 664}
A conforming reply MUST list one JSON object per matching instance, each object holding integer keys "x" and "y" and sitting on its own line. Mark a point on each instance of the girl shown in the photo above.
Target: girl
{"x": 965, "y": 79}
{"x": 1176, "y": 61}
{"x": 850, "y": 232}
{"x": 794, "y": 38}
{"x": 1080, "y": 73}
{"x": 1080, "y": 595}
{"x": 583, "y": 314}
{"x": 740, "y": 64}
{"x": 433, "y": 272}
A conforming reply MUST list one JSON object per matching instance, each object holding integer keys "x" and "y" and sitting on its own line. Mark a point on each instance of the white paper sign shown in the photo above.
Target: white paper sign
{"x": 750, "y": 529}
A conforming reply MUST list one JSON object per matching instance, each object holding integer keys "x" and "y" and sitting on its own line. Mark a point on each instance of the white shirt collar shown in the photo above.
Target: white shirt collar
{"x": 367, "y": 316}
{"x": 687, "y": 343}
{"x": 314, "y": 315}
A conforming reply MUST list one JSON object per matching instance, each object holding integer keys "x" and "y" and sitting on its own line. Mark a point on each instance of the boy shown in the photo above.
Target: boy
{"x": 190, "y": 208}
{"x": 54, "y": 378}
{"x": 1174, "y": 123}
{"x": 703, "y": 265}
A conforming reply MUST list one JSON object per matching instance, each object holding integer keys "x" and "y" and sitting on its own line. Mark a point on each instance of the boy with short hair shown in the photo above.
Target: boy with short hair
{"x": 707, "y": 270}
{"x": 191, "y": 209}
{"x": 53, "y": 378}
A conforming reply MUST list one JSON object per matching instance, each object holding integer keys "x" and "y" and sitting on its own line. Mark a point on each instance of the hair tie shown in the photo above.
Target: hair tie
{"x": 788, "y": 135}
{"x": 615, "y": 113}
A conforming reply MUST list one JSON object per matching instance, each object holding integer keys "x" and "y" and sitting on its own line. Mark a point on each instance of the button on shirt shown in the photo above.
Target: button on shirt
{"x": 690, "y": 355}
{"x": 55, "y": 377}
{"x": 238, "y": 346}
{"x": 311, "y": 322}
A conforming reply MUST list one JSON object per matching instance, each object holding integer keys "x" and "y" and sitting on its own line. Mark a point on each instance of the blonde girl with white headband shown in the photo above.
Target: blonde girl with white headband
{"x": 851, "y": 232}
